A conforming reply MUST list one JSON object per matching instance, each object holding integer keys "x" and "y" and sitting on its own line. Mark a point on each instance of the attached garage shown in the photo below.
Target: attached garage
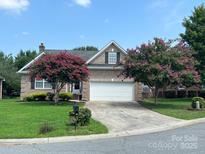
{"x": 112, "y": 91}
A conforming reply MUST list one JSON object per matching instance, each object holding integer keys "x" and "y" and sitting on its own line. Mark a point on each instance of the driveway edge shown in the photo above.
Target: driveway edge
{"x": 98, "y": 136}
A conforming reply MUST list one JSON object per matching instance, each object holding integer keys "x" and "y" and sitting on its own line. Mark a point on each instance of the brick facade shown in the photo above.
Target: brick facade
{"x": 26, "y": 87}
{"x": 107, "y": 75}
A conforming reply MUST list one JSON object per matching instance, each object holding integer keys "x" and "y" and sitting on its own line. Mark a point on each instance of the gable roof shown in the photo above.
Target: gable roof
{"x": 88, "y": 56}
{"x": 85, "y": 55}
{"x": 104, "y": 48}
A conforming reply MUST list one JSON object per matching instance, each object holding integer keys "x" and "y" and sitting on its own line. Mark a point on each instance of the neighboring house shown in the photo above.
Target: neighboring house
{"x": 104, "y": 83}
{"x": 1, "y": 85}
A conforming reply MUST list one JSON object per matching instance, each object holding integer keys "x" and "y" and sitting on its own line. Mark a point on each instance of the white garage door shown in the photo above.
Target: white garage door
{"x": 111, "y": 91}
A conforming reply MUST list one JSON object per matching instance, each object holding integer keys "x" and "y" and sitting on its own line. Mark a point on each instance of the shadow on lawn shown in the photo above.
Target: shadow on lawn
{"x": 152, "y": 105}
{"x": 48, "y": 103}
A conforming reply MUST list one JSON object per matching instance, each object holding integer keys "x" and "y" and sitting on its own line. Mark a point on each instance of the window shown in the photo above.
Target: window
{"x": 77, "y": 85}
{"x": 112, "y": 58}
{"x": 42, "y": 84}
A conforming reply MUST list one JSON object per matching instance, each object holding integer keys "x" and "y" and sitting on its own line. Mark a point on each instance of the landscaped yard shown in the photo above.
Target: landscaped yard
{"x": 23, "y": 120}
{"x": 177, "y": 108}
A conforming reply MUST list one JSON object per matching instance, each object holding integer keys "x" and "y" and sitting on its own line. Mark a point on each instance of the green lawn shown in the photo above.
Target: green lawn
{"x": 177, "y": 108}
{"x": 23, "y": 119}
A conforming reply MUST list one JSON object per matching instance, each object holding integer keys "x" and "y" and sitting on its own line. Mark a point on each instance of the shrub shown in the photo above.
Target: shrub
{"x": 181, "y": 94}
{"x": 28, "y": 98}
{"x": 202, "y": 93}
{"x": 39, "y": 96}
{"x": 160, "y": 94}
{"x": 50, "y": 96}
{"x": 66, "y": 96}
{"x": 192, "y": 94}
{"x": 45, "y": 128}
{"x": 170, "y": 94}
{"x": 201, "y": 101}
{"x": 82, "y": 118}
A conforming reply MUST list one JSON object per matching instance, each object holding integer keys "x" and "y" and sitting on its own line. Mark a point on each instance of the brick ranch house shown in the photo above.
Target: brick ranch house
{"x": 104, "y": 83}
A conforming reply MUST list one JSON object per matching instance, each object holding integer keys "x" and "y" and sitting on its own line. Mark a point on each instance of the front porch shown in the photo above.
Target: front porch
{"x": 76, "y": 90}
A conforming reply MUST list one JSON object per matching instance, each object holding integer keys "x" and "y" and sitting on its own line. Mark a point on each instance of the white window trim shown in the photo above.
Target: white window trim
{"x": 43, "y": 85}
{"x": 109, "y": 57}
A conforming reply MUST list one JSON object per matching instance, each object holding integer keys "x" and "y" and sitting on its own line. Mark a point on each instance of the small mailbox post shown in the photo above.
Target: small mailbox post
{"x": 197, "y": 105}
{"x": 75, "y": 108}
{"x": 75, "y": 114}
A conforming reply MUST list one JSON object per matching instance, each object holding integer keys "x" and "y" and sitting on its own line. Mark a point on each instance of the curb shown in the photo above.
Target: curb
{"x": 99, "y": 136}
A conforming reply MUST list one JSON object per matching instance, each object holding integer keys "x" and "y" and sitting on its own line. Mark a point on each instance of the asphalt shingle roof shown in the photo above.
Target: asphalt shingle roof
{"x": 86, "y": 55}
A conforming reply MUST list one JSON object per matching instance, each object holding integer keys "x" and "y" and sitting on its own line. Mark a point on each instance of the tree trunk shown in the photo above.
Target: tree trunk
{"x": 155, "y": 94}
{"x": 186, "y": 93}
{"x": 56, "y": 98}
{"x": 197, "y": 93}
{"x": 176, "y": 93}
{"x": 163, "y": 90}
{"x": 57, "y": 88}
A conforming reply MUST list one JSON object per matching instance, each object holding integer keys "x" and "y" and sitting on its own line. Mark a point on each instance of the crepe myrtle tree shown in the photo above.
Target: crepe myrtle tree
{"x": 59, "y": 69}
{"x": 159, "y": 64}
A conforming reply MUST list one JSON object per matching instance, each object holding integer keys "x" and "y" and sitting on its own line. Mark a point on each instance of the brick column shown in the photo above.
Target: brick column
{"x": 86, "y": 91}
{"x": 138, "y": 94}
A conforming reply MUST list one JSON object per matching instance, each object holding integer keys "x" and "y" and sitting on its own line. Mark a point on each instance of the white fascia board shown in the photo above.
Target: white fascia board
{"x": 105, "y": 47}
{"x": 23, "y": 72}
{"x": 31, "y": 62}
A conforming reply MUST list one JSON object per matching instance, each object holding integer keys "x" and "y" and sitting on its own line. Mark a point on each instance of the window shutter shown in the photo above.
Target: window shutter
{"x": 81, "y": 87}
{"x": 118, "y": 57}
{"x": 32, "y": 82}
{"x": 106, "y": 57}
{"x": 71, "y": 87}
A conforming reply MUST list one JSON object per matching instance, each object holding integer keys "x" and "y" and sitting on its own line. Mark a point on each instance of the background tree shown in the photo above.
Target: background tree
{"x": 195, "y": 36}
{"x": 8, "y": 71}
{"x": 157, "y": 64}
{"x": 59, "y": 69}
{"x": 24, "y": 57}
{"x": 86, "y": 48}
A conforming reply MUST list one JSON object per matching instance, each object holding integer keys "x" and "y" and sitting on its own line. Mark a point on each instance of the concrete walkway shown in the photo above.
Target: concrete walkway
{"x": 128, "y": 116}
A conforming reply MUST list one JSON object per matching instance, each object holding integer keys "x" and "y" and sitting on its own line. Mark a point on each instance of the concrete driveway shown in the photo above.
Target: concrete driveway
{"x": 128, "y": 116}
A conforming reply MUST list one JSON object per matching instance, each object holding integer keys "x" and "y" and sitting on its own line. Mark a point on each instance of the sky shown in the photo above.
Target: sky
{"x": 65, "y": 24}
